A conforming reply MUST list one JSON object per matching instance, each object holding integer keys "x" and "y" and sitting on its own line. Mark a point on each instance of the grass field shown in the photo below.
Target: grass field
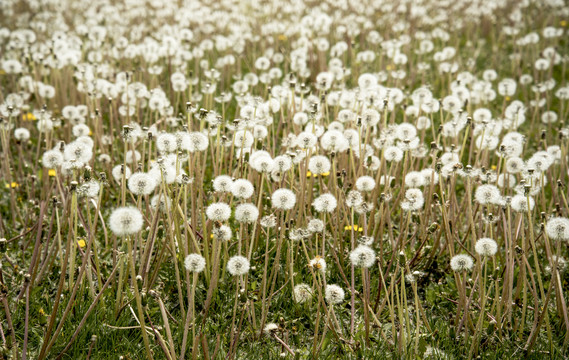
{"x": 284, "y": 179}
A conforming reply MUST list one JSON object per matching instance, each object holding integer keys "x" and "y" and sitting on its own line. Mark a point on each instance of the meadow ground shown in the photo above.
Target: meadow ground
{"x": 373, "y": 179}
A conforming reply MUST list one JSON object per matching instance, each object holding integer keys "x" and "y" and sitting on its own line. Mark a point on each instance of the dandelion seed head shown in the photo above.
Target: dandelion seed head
{"x": 89, "y": 189}
{"x": 520, "y": 203}
{"x": 126, "y": 221}
{"x": 166, "y": 143}
{"x": 362, "y": 256}
{"x": 334, "y": 294}
{"x": 21, "y": 134}
{"x": 486, "y": 247}
{"x": 52, "y": 159}
{"x": 194, "y": 263}
{"x": 461, "y": 262}
{"x": 242, "y": 189}
{"x": 141, "y": 183}
{"x": 161, "y": 202}
{"x": 222, "y": 233}
{"x": 354, "y": 198}
{"x": 365, "y": 183}
{"x": 315, "y": 226}
{"x": 318, "y": 263}
{"x": 246, "y": 213}
{"x": 302, "y": 293}
{"x": 487, "y": 194}
{"x": 238, "y": 265}
{"x": 557, "y": 228}
{"x": 283, "y": 199}
{"x": 319, "y": 165}
{"x": 218, "y": 212}
{"x": 222, "y": 183}
{"x": 325, "y": 203}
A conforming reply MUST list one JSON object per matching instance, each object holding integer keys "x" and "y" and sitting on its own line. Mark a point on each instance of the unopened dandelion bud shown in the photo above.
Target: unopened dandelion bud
{"x": 73, "y": 186}
{"x": 3, "y": 245}
{"x": 433, "y": 227}
{"x": 125, "y": 131}
{"x": 87, "y": 173}
{"x": 438, "y": 166}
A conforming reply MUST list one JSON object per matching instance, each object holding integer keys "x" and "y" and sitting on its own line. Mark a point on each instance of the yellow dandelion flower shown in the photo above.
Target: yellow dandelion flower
{"x": 29, "y": 117}
{"x": 563, "y": 23}
{"x": 13, "y": 185}
{"x": 389, "y": 67}
{"x": 283, "y": 37}
{"x": 308, "y": 174}
{"x": 356, "y": 228}
{"x": 508, "y": 98}
{"x": 325, "y": 174}
{"x": 81, "y": 243}
{"x": 51, "y": 172}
